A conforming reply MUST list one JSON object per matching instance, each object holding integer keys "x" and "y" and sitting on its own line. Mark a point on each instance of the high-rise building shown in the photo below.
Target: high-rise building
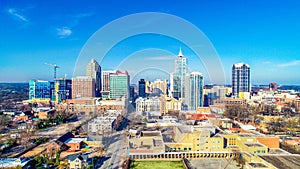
{"x": 194, "y": 90}
{"x": 131, "y": 93}
{"x": 142, "y": 88}
{"x": 93, "y": 70}
{"x": 240, "y": 78}
{"x": 119, "y": 85}
{"x": 161, "y": 85}
{"x": 178, "y": 76}
{"x": 106, "y": 82}
{"x": 40, "y": 89}
{"x": 63, "y": 89}
{"x": 83, "y": 86}
{"x": 273, "y": 86}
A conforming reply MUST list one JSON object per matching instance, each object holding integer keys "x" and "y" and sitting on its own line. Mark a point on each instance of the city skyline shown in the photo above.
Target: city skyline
{"x": 260, "y": 34}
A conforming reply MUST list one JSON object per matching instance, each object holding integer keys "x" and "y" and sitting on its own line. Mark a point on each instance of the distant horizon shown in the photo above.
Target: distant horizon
{"x": 262, "y": 34}
{"x": 162, "y": 79}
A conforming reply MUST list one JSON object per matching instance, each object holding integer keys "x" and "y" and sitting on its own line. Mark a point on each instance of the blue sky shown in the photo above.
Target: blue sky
{"x": 264, "y": 34}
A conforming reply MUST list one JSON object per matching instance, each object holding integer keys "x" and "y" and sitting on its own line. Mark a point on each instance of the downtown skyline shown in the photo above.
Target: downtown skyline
{"x": 260, "y": 34}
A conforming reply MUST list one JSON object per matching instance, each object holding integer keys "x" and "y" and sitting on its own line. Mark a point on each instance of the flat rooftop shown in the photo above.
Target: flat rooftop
{"x": 283, "y": 161}
{"x": 278, "y": 151}
{"x": 212, "y": 163}
{"x": 253, "y": 145}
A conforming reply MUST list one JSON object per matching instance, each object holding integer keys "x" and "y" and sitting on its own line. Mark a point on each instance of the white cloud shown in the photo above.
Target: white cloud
{"x": 292, "y": 63}
{"x": 16, "y": 14}
{"x": 63, "y": 32}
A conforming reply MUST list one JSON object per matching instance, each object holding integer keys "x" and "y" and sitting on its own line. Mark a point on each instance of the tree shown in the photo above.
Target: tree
{"x": 57, "y": 158}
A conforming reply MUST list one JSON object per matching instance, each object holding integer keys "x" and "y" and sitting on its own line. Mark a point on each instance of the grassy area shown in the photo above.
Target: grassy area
{"x": 156, "y": 165}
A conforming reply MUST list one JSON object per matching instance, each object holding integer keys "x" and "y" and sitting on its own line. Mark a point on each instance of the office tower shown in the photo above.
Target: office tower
{"x": 142, "y": 88}
{"x": 119, "y": 85}
{"x": 93, "y": 70}
{"x": 178, "y": 76}
{"x": 161, "y": 85}
{"x": 83, "y": 86}
{"x": 63, "y": 89}
{"x": 148, "y": 88}
{"x": 131, "y": 93}
{"x": 40, "y": 89}
{"x": 240, "y": 78}
{"x": 106, "y": 83}
{"x": 273, "y": 86}
{"x": 194, "y": 90}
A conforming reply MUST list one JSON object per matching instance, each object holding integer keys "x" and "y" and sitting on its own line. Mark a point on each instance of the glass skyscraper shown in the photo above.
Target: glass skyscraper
{"x": 240, "y": 78}
{"x": 40, "y": 89}
{"x": 194, "y": 90}
{"x": 142, "y": 88}
{"x": 119, "y": 85}
{"x": 63, "y": 89}
{"x": 178, "y": 76}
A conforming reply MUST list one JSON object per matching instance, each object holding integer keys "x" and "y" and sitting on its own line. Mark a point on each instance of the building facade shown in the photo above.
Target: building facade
{"x": 63, "y": 89}
{"x": 142, "y": 88}
{"x": 178, "y": 76}
{"x": 40, "y": 89}
{"x": 194, "y": 90}
{"x": 106, "y": 82}
{"x": 119, "y": 85}
{"x": 83, "y": 86}
{"x": 161, "y": 85}
{"x": 93, "y": 70}
{"x": 240, "y": 78}
{"x": 151, "y": 104}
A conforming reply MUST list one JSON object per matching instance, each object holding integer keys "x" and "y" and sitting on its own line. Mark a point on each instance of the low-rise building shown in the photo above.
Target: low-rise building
{"x": 79, "y": 161}
{"x": 147, "y": 142}
{"x": 75, "y": 143}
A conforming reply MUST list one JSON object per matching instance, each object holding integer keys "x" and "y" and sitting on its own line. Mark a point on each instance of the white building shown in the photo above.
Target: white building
{"x": 148, "y": 104}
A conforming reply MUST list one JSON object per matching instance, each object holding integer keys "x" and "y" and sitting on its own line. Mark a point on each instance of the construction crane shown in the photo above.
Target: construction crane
{"x": 55, "y": 67}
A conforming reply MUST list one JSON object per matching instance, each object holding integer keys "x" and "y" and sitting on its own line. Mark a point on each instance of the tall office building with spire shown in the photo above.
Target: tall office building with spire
{"x": 240, "y": 78}
{"x": 178, "y": 76}
{"x": 93, "y": 70}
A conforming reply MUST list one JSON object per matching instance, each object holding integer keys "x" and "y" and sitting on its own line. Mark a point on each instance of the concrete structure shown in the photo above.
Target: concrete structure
{"x": 240, "y": 78}
{"x": 194, "y": 90}
{"x": 273, "y": 86}
{"x": 161, "y": 85}
{"x": 93, "y": 70}
{"x": 106, "y": 82}
{"x": 149, "y": 142}
{"x": 170, "y": 104}
{"x": 148, "y": 104}
{"x": 83, "y": 86}
{"x": 104, "y": 123}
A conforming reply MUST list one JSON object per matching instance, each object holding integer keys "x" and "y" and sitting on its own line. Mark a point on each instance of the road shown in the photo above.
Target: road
{"x": 117, "y": 151}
